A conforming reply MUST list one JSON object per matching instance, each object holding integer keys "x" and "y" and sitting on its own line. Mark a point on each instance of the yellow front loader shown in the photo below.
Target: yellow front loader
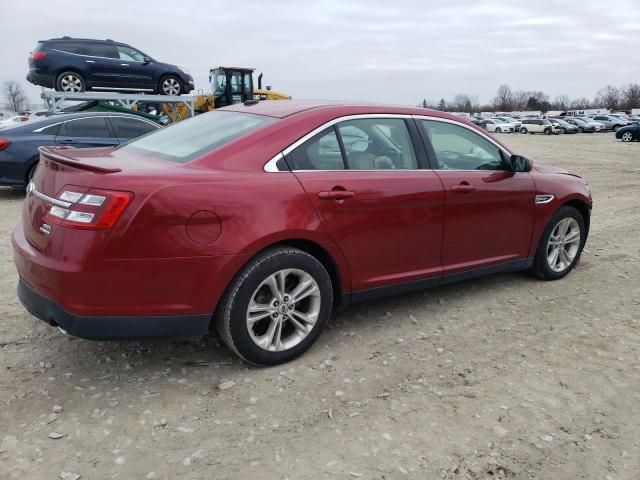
{"x": 229, "y": 85}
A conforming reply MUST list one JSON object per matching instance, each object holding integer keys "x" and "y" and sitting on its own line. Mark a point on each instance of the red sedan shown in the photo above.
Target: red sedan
{"x": 261, "y": 219}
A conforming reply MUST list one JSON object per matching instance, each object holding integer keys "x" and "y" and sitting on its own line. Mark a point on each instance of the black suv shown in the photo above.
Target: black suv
{"x": 78, "y": 64}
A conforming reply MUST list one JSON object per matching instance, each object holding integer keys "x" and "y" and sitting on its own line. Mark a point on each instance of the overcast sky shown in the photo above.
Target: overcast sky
{"x": 388, "y": 51}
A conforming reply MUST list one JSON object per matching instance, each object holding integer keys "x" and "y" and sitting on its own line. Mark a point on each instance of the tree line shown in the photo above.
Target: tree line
{"x": 507, "y": 100}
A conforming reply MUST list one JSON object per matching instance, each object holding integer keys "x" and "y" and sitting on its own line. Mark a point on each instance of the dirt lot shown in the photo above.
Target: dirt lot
{"x": 505, "y": 376}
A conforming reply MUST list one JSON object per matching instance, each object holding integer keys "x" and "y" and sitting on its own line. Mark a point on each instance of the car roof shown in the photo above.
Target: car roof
{"x": 288, "y": 108}
{"x": 92, "y": 40}
{"x": 40, "y": 122}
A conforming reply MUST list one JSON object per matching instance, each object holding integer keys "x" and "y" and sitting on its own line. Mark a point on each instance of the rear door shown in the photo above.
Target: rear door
{"x": 364, "y": 179}
{"x": 86, "y": 132}
{"x": 102, "y": 64}
{"x": 489, "y": 211}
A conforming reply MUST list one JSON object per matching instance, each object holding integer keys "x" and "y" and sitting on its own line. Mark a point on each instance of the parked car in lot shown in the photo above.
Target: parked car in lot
{"x": 582, "y": 125}
{"x": 19, "y": 145}
{"x": 516, "y": 123}
{"x": 598, "y": 127}
{"x": 259, "y": 220}
{"x": 13, "y": 121}
{"x": 563, "y": 127}
{"x": 498, "y": 126}
{"x": 537, "y": 125}
{"x": 610, "y": 122}
{"x": 78, "y": 64}
{"x": 629, "y": 133}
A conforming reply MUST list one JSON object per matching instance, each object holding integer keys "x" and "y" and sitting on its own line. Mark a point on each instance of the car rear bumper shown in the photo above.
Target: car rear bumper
{"x": 40, "y": 79}
{"x": 110, "y": 327}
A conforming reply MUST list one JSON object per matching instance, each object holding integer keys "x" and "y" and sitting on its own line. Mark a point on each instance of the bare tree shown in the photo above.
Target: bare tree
{"x": 631, "y": 96}
{"x": 609, "y": 97}
{"x": 520, "y": 98}
{"x": 14, "y": 96}
{"x": 580, "y": 104}
{"x": 503, "y": 100}
{"x": 561, "y": 102}
{"x": 465, "y": 103}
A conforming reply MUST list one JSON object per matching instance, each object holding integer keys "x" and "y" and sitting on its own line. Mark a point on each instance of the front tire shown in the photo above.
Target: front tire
{"x": 498, "y": 130}
{"x": 547, "y": 131}
{"x": 170, "y": 85}
{"x": 276, "y": 307}
{"x": 70, "y": 82}
{"x": 561, "y": 244}
{"x": 616, "y": 128}
{"x": 523, "y": 130}
{"x": 627, "y": 137}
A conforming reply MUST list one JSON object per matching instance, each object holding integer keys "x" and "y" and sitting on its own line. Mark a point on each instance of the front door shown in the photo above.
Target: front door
{"x": 489, "y": 211}
{"x": 381, "y": 209}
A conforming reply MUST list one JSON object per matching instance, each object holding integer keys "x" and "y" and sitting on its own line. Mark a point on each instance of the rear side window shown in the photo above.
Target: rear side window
{"x": 101, "y": 50}
{"x": 69, "y": 47}
{"x": 321, "y": 152}
{"x": 197, "y": 136}
{"x": 130, "y": 127}
{"x": 95, "y": 127}
{"x": 52, "y": 130}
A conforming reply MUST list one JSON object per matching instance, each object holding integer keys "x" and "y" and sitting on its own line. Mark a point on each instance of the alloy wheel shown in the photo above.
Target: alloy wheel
{"x": 627, "y": 136}
{"x": 283, "y": 310}
{"x": 563, "y": 244}
{"x": 171, "y": 86}
{"x": 71, "y": 83}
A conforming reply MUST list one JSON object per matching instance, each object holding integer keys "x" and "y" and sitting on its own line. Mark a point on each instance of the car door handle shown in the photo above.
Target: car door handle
{"x": 90, "y": 61}
{"x": 335, "y": 195}
{"x": 464, "y": 187}
{"x": 125, "y": 64}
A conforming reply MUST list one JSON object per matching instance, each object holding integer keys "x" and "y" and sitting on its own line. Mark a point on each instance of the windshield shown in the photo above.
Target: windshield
{"x": 197, "y": 136}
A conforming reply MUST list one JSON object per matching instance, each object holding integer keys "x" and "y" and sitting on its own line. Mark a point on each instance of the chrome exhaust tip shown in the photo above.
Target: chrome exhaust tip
{"x": 62, "y": 330}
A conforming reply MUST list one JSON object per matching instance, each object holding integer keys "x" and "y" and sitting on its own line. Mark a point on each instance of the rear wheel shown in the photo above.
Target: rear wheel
{"x": 627, "y": 137}
{"x": 170, "y": 85}
{"x": 523, "y": 130}
{"x": 616, "y": 128}
{"x": 561, "y": 244}
{"x": 276, "y": 307}
{"x": 498, "y": 130}
{"x": 547, "y": 131}
{"x": 70, "y": 82}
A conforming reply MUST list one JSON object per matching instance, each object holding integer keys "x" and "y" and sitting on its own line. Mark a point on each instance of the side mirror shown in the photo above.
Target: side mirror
{"x": 146, "y": 60}
{"x": 518, "y": 163}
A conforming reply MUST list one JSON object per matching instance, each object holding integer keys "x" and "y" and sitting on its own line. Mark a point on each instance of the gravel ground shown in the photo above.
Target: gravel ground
{"x": 502, "y": 377}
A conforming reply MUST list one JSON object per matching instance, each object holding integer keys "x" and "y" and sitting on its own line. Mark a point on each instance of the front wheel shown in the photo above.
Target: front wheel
{"x": 561, "y": 244}
{"x": 547, "y": 131}
{"x": 627, "y": 137}
{"x": 616, "y": 128}
{"x": 276, "y": 307}
{"x": 523, "y": 130}
{"x": 170, "y": 85}
{"x": 498, "y": 130}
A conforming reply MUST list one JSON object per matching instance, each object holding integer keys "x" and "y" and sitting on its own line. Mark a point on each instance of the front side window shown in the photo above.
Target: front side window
{"x": 197, "y": 136}
{"x": 130, "y": 54}
{"x": 125, "y": 127}
{"x": 459, "y": 148}
{"x": 377, "y": 144}
{"x": 95, "y": 127}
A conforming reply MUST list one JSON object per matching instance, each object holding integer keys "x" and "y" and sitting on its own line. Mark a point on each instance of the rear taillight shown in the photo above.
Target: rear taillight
{"x": 93, "y": 209}
{"x": 4, "y": 143}
{"x": 38, "y": 55}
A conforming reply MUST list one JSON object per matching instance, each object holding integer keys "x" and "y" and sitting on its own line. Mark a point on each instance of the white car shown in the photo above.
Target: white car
{"x": 12, "y": 121}
{"x": 538, "y": 125}
{"x": 516, "y": 122}
{"x": 499, "y": 126}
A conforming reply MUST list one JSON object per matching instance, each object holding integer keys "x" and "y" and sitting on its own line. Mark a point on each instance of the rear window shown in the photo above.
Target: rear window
{"x": 192, "y": 138}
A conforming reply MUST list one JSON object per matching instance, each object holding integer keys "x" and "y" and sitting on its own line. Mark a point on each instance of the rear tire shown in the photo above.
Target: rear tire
{"x": 559, "y": 249}
{"x": 498, "y": 130}
{"x": 547, "y": 131}
{"x": 616, "y": 128}
{"x": 523, "y": 130}
{"x": 259, "y": 317}
{"x": 70, "y": 82}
